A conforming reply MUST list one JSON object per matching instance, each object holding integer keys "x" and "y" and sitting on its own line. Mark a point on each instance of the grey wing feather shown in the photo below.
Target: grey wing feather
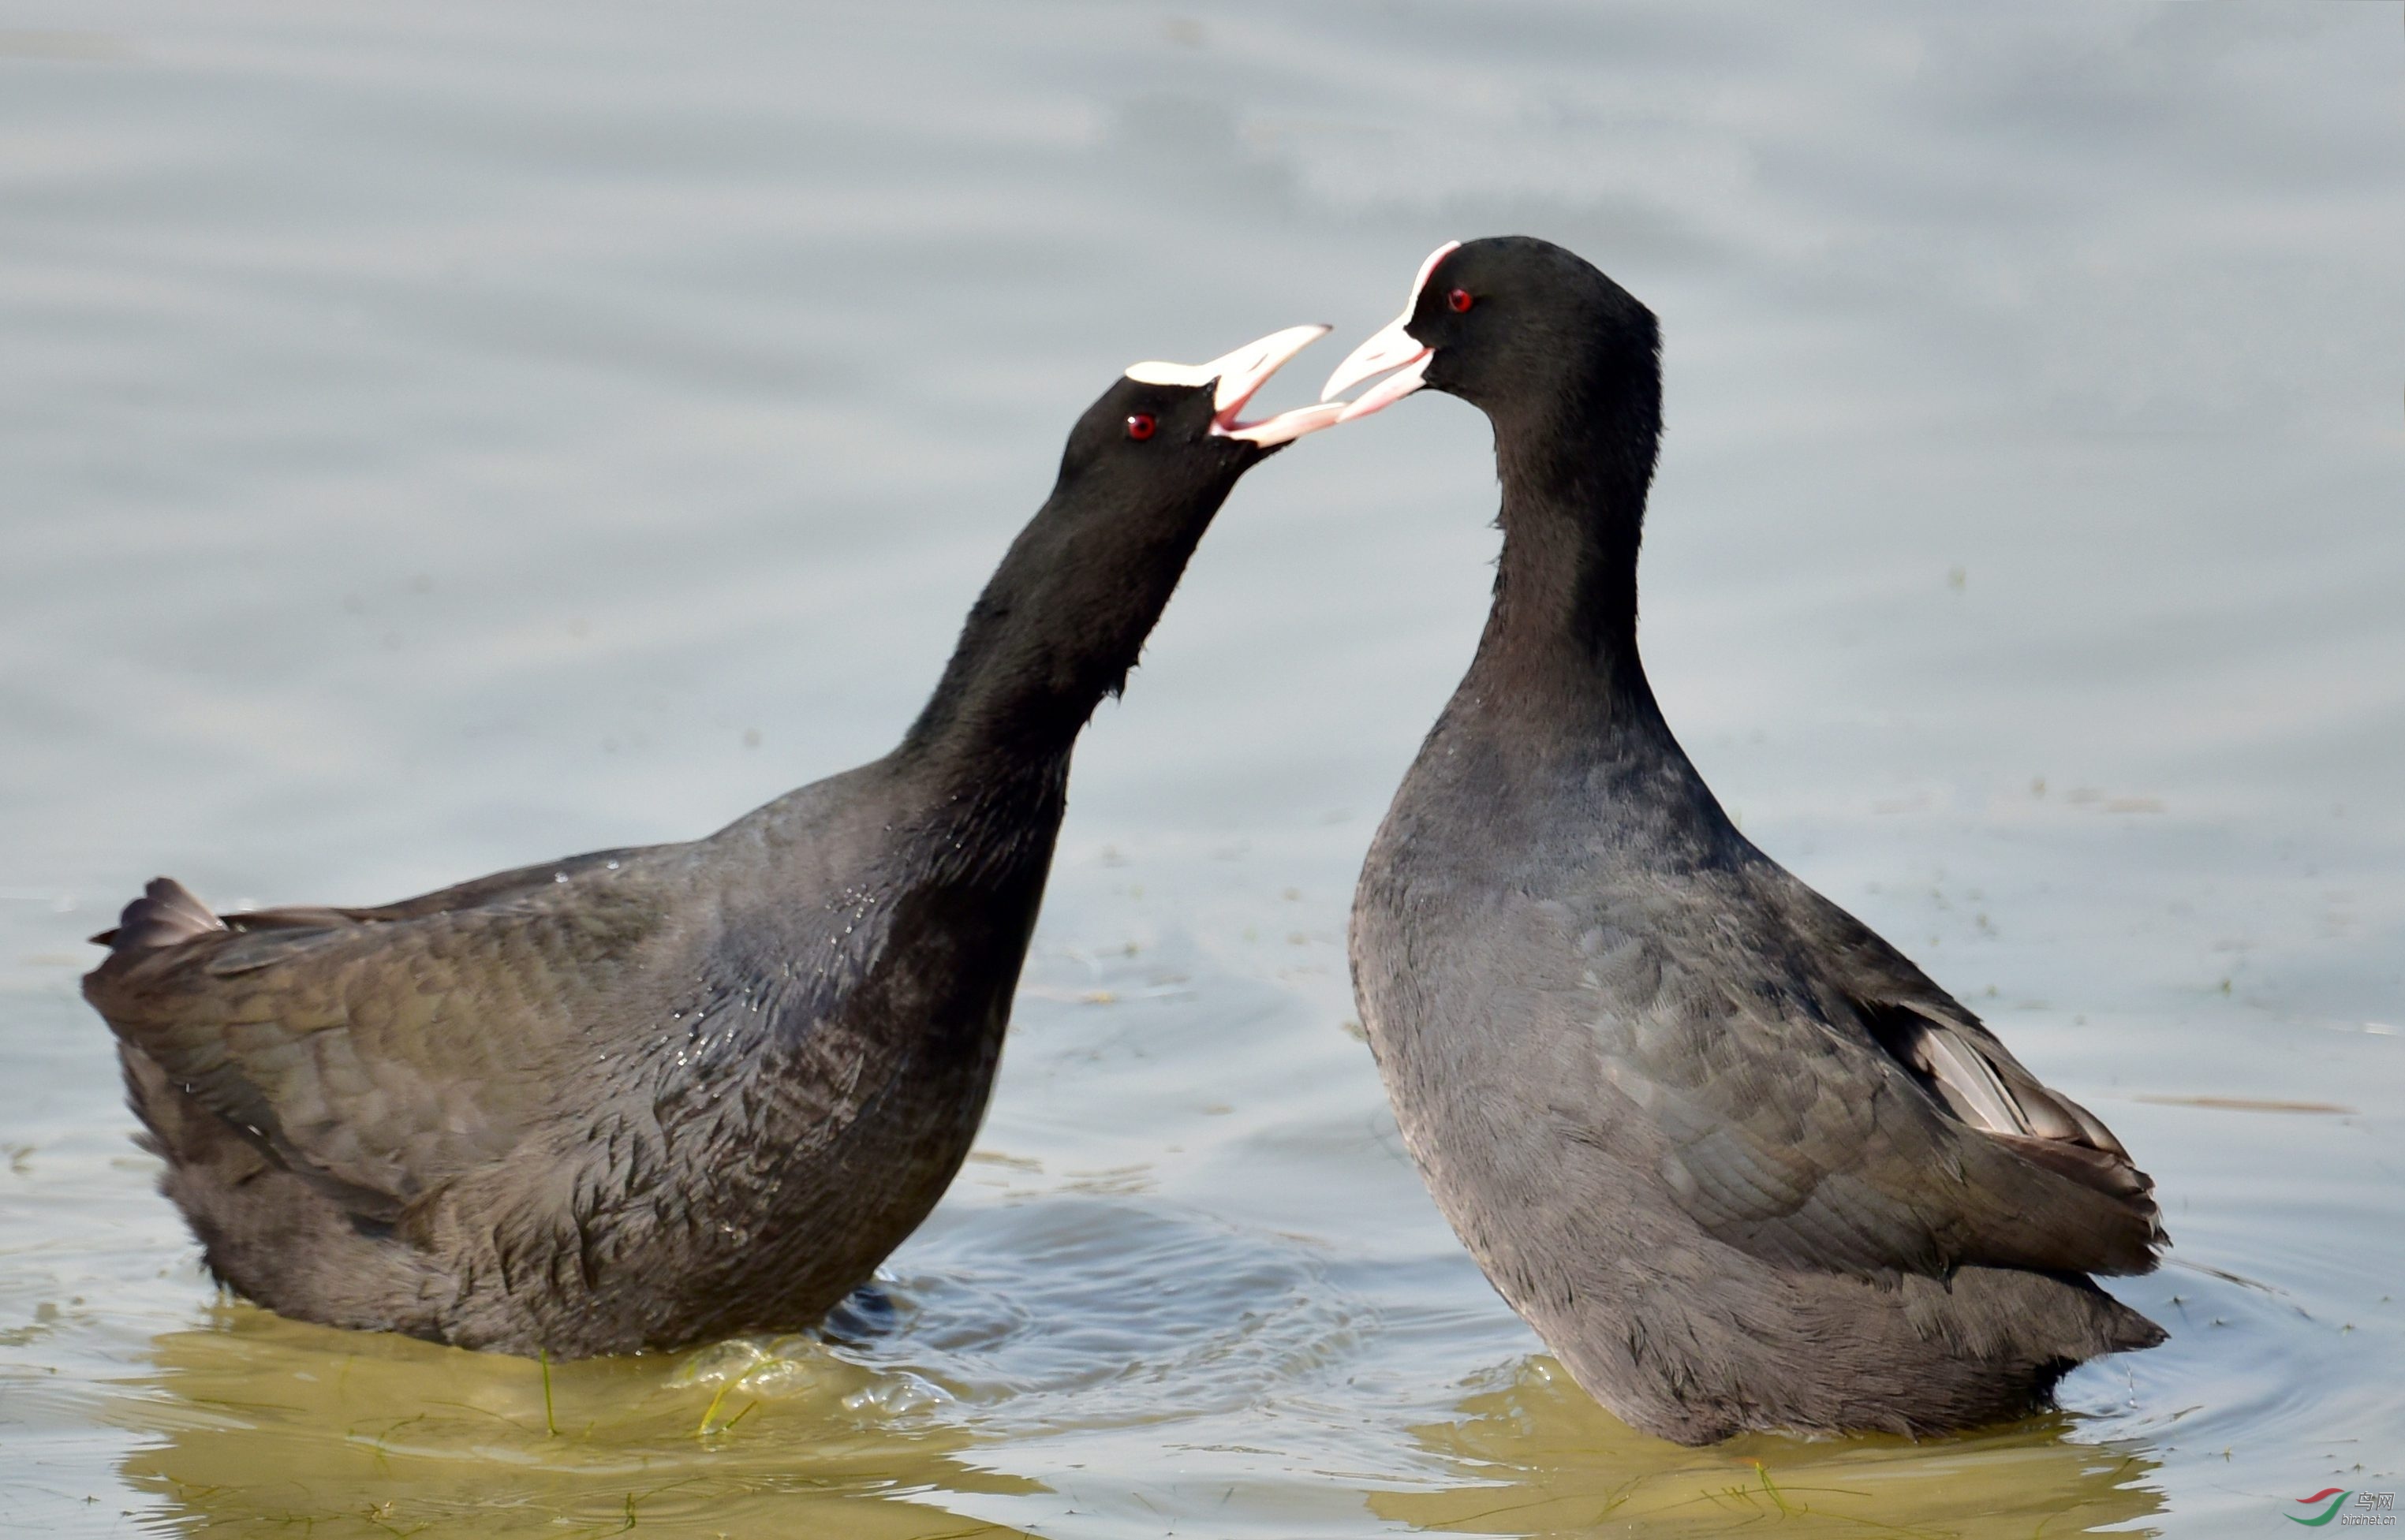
{"x": 1789, "y": 1128}
{"x": 1955, "y": 1057}
{"x": 378, "y": 1052}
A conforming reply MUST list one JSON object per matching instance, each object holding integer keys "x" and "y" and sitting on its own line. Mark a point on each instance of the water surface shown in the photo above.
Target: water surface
{"x": 444, "y": 437}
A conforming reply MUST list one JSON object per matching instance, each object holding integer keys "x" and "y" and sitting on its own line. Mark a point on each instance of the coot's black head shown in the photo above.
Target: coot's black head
{"x": 1065, "y": 615}
{"x": 1520, "y": 327}
{"x": 1167, "y": 435}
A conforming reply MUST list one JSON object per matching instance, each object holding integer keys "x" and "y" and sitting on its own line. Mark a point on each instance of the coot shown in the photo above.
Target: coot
{"x": 1739, "y": 1163}
{"x": 645, "y": 1096}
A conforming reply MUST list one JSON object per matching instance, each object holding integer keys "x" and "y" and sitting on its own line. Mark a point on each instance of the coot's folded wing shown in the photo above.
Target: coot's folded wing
{"x": 380, "y": 1051}
{"x": 1777, "y": 1118}
{"x": 1948, "y": 1050}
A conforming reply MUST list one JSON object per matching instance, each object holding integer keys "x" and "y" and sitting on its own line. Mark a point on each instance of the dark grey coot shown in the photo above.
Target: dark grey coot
{"x": 1739, "y": 1163}
{"x": 647, "y": 1096}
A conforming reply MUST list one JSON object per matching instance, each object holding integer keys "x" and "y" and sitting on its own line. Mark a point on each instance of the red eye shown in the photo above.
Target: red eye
{"x": 1140, "y": 426}
{"x": 1458, "y": 300}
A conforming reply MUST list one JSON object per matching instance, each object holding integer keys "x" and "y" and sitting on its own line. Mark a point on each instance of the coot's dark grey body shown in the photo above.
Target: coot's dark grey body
{"x": 1740, "y": 1162}
{"x": 646, "y": 1097}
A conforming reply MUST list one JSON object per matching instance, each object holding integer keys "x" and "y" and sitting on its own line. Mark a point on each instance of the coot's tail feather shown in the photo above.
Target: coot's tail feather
{"x": 2132, "y": 1332}
{"x": 166, "y": 914}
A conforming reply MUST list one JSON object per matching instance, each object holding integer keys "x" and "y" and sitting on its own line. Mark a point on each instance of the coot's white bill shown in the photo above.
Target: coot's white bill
{"x": 1390, "y": 347}
{"x": 1242, "y": 373}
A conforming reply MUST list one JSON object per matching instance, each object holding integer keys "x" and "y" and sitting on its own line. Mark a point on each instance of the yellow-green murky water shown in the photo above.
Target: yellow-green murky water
{"x": 434, "y": 437}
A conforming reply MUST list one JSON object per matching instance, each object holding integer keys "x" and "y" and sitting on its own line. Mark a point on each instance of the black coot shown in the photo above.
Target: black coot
{"x": 645, "y": 1096}
{"x": 1739, "y": 1163}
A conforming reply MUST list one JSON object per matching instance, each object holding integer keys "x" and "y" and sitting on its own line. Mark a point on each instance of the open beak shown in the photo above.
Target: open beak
{"x": 1239, "y": 375}
{"x": 1391, "y": 347}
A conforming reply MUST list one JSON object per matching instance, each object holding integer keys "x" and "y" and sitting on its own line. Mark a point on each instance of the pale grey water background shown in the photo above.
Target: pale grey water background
{"x": 437, "y": 437}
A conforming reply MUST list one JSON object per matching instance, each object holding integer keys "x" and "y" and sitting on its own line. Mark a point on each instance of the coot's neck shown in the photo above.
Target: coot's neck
{"x": 1057, "y": 628}
{"x": 1561, "y": 636}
